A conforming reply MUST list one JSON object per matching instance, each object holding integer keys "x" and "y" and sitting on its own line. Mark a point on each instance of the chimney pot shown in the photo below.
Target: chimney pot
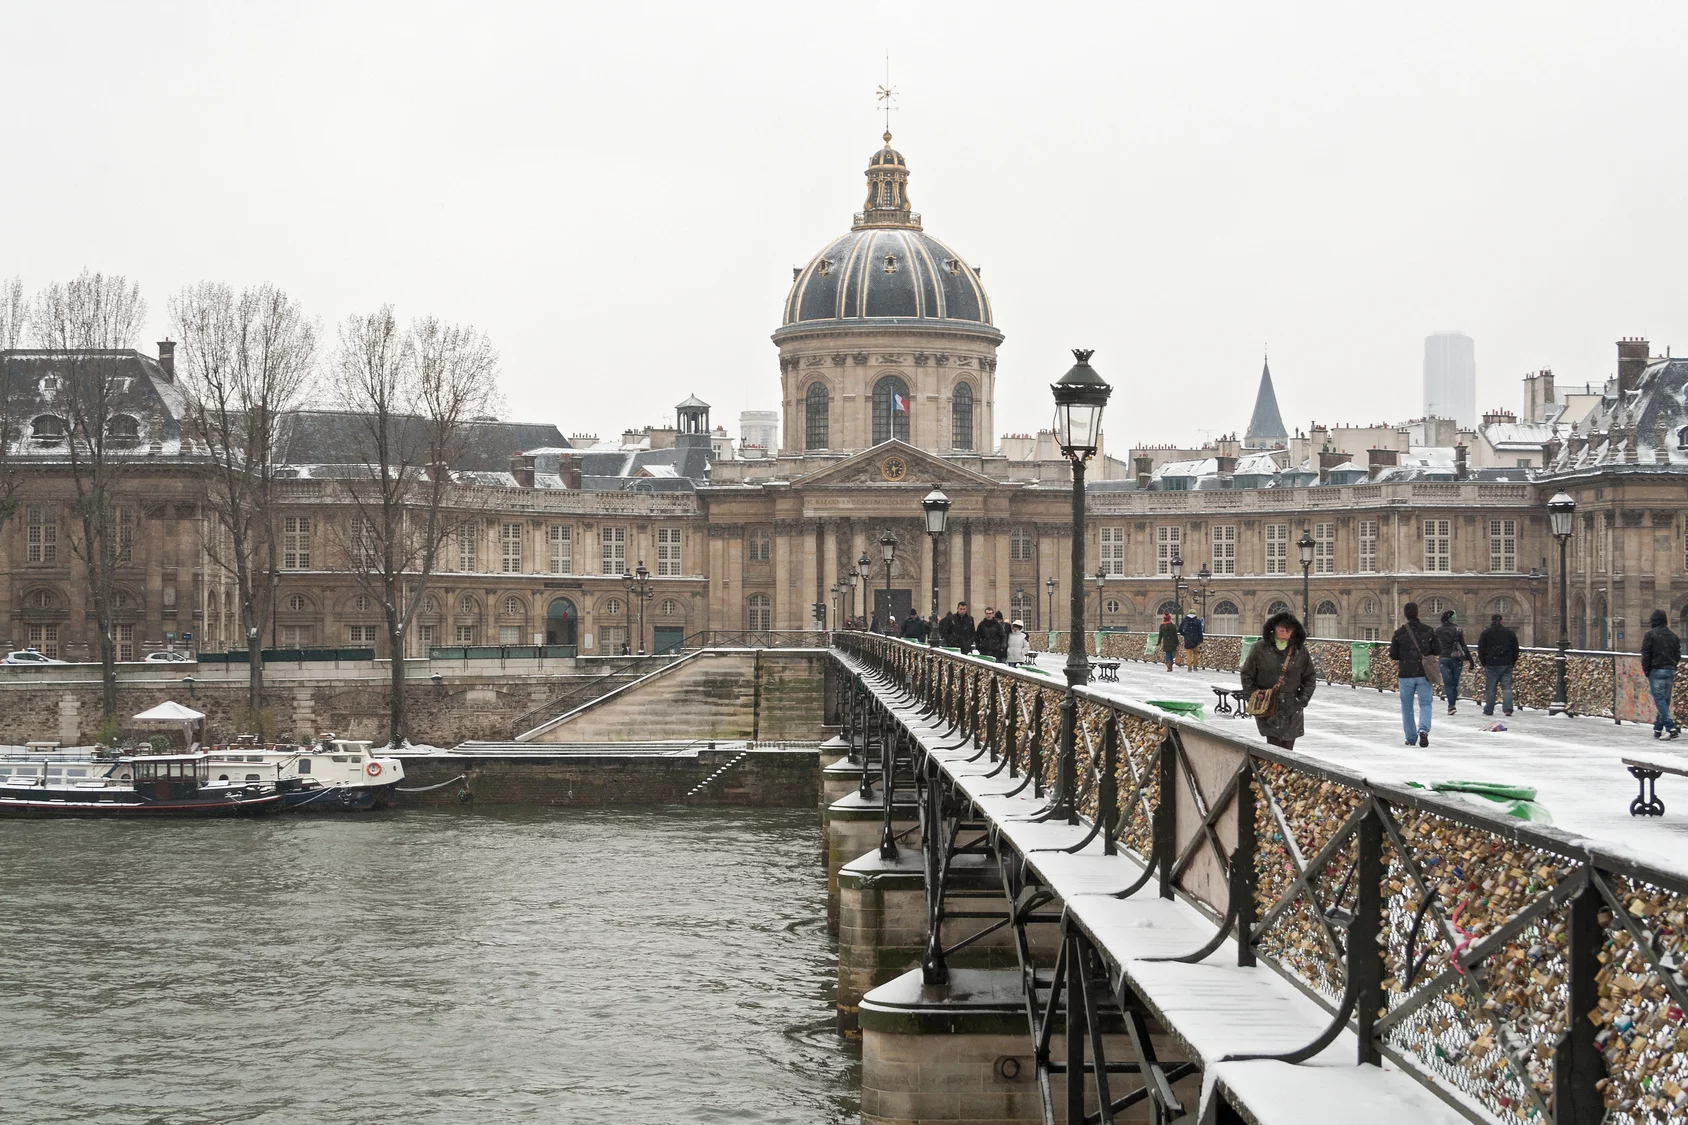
{"x": 167, "y": 359}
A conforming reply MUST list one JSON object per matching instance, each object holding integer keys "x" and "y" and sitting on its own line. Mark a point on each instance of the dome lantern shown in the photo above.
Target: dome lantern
{"x": 887, "y": 192}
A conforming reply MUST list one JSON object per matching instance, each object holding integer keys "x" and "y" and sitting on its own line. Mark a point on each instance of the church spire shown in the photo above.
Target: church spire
{"x": 1266, "y": 425}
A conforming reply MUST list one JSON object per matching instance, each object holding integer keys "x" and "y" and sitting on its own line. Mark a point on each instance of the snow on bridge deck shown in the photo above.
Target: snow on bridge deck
{"x": 1575, "y": 764}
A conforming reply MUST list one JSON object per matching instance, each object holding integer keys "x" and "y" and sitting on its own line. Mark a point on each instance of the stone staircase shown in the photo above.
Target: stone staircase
{"x": 716, "y": 776}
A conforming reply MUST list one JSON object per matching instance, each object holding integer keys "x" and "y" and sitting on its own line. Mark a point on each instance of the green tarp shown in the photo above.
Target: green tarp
{"x": 1359, "y": 661}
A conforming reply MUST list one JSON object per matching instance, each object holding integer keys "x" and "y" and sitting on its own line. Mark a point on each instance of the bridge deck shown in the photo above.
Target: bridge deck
{"x": 1576, "y": 765}
{"x": 1215, "y": 1008}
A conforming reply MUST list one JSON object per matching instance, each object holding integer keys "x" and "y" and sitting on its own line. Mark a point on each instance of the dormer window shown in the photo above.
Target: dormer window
{"x": 890, "y": 263}
{"x": 825, "y": 267}
{"x": 47, "y": 429}
{"x": 122, "y": 429}
{"x": 1682, "y": 437}
{"x": 50, "y": 384}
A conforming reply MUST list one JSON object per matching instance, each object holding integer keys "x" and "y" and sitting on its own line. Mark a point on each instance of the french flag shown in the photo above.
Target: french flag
{"x": 899, "y": 403}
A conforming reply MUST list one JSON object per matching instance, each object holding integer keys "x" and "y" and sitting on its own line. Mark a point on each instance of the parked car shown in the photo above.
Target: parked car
{"x": 168, "y": 656}
{"x": 29, "y": 656}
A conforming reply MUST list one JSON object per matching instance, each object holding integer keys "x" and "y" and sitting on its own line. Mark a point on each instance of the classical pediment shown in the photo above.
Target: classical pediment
{"x": 893, "y": 463}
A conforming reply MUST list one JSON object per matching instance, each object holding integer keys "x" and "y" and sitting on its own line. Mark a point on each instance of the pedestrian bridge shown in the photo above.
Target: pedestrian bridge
{"x": 1171, "y": 921}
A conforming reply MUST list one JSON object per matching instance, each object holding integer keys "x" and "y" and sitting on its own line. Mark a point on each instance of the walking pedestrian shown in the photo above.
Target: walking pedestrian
{"x": 992, "y": 636}
{"x": 914, "y": 629}
{"x": 1661, "y": 652}
{"x": 956, "y": 630}
{"x": 1168, "y": 639}
{"x": 1191, "y": 630}
{"x": 1411, "y": 648}
{"x": 1019, "y": 647}
{"x": 1450, "y": 639}
{"x": 1278, "y": 680}
{"x": 1497, "y": 652}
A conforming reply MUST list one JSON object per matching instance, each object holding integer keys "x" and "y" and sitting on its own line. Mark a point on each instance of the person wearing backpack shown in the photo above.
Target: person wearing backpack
{"x": 1450, "y": 638}
{"x": 1411, "y": 648}
{"x": 1191, "y": 630}
{"x": 1278, "y": 680}
{"x": 1497, "y": 651}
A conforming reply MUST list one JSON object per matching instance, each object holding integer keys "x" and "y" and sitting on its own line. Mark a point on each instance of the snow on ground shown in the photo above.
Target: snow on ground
{"x": 1574, "y": 764}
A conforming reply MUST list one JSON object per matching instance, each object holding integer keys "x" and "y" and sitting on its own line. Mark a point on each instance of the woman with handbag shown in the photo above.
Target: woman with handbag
{"x": 1411, "y": 648}
{"x": 1278, "y": 679}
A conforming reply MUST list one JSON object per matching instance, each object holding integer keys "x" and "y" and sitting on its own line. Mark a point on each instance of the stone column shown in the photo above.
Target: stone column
{"x": 809, "y": 587}
{"x": 829, "y": 569}
{"x": 784, "y": 614}
{"x": 1004, "y": 580}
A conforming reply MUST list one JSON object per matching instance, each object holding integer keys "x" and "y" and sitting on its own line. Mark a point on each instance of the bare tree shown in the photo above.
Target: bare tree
{"x": 246, "y": 362}
{"x": 414, "y": 391}
{"x": 83, "y": 318}
{"x": 14, "y": 315}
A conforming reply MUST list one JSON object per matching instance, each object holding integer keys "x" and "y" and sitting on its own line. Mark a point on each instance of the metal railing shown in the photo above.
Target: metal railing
{"x": 1523, "y": 972}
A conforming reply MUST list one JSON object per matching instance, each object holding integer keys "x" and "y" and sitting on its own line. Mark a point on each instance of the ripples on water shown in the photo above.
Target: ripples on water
{"x": 653, "y": 965}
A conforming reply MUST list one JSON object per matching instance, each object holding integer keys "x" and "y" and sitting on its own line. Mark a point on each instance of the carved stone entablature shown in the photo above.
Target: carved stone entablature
{"x": 1632, "y": 519}
{"x": 988, "y": 365}
{"x": 814, "y": 361}
{"x": 859, "y": 359}
{"x": 920, "y": 359}
{"x": 890, "y": 359}
{"x": 1663, "y": 518}
{"x": 838, "y": 359}
{"x": 992, "y": 526}
{"x": 791, "y": 527}
{"x": 1054, "y": 530}
{"x": 788, "y": 363}
{"x": 961, "y": 360}
{"x": 943, "y": 359}
{"x": 726, "y": 531}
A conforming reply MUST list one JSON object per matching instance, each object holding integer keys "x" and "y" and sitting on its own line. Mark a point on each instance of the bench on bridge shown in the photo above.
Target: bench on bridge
{"x": 1647, "y": 772}
{"x": 1225, "y": 705}
{"x": 1105, "y": 669}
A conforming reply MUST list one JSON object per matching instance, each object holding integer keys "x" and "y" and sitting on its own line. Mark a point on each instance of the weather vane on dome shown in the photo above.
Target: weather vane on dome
{"x": 887, "y": 93}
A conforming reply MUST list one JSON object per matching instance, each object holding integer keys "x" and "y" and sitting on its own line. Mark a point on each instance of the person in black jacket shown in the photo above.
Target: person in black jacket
{"x": 1497, "y": 652}
{"x": 1450, "y": 638}
{"x": 1190, "y": 629}
{"x": 914, "y": 628}
{"x": 956, "y": 629}
{"x": 1412, "y": 646}
{"x": 1661, "y": 652}
{"x": 992, "y": 636}
{"x": 1168, "y": 640}
{"x": 1279, "y": 663}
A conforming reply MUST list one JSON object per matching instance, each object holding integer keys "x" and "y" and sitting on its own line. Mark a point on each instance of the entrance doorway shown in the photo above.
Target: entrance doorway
{"x": 562, "y": 624}
{"x": 900, "y": 602}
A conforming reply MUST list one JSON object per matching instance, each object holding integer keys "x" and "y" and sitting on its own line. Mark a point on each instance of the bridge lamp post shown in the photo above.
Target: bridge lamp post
{"x": 1101, "y": 612}
{"x": 887, "y": 551}
{"x": 1560, "y": 512}
{"x": 937, "y": 506}
{"x": 864, "y": 566}
{"x": 834, "y": 592}
{"x": 1080, "y": 395}
{"x": 1176, "y": 566}
{"x": 850, "y": 592}
{"x": 626, "y": 611}
{"x": 1050, "y": 585}
{"x": 1533, "y": 579}
{"x": 1306, "y": 546}
{"x": 1203, "y": 577}
{"x": 643, "y": 592}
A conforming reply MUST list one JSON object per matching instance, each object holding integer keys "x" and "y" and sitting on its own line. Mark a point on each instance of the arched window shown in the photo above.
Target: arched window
{"x": 361, "y": 603}
{"x": 669, "y": 608}
{"x": 815, "y": 434}
{"x": 47, "y": 429}
{"x": 512, "y": 607}
{"x": 1325, "y": 622}
{"x": 430, "y": 604}
{"x": 612, "y": 607}
{"x": 1165, "y": 608}
{"x": 1368, "y": 607}
{"x": 1020, "y": 604}
{"x": 1432, "y": 609}
{"x": 297, "y": 603}
{"x": 122, "y": 429}
{"x": 467, "y": 605}
{"x": 759, "y": 613}
{"x": 1224, "y": 618}
{"x": 890, "y": 409}
{"x": 561, "y": 623}
{"x": 1020, "y": 546}
{"x": 961, "y": 417}
{"x": 1277, "y": 607}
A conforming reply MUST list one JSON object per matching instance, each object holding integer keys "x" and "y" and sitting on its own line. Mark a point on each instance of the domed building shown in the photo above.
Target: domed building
{"x": 887, "y": 334}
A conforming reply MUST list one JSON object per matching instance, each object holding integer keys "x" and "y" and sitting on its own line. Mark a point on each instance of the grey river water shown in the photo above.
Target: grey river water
{"x": 555, "y": 966}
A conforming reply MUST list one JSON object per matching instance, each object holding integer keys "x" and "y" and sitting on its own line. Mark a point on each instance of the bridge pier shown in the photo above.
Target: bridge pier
{"x": 852, "y": 826}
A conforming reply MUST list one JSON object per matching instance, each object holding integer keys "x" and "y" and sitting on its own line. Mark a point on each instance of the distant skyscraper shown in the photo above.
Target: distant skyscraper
{"x": 1265, "y": 425}
{"x": 1450, "y": 377}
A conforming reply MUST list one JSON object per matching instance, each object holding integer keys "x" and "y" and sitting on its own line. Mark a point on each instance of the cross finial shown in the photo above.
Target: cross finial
{"x": 887, "y": 93}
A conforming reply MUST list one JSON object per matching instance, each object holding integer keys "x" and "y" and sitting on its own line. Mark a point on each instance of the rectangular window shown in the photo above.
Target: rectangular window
{"x": 124, "y": 636}
{"x": 1368, "y": 632}
{"x": 1368, "y": 546}
{"x": 465, "y": 634}
{"x": 1020, "y": 545}
{"x": 1167, "y": 542}
{"x": 511, "y": 537}
{"x": 430, "y": 636}
{"x": 1113, "y": 550}
{"x": 363, "y": 551}
{"x": 612, "y": 639}
{"x": 296, "y": 543}
{"x": 1600, "y": 544}
{"x": 45, "y": 640}
{"x": 668, "y": 552}
{"x": 1277, "y": 548}
{"x": 360, "y": 634}
{"x": 43, "y": 533}
{"x": 295, "y": 636}
{"x": 1225, "y": 549}
{"x": 467, "y": 535}
{"x": 761, "y": 546}
{"x": 1438, "y": 545}
{"x": 509, "y": 634}
{"x": 562, "y": 549}
{"x": 614, "y": 540}
{"x": 1503, "y": 546}
{"x": 1324, "y": 548}
{"x": 125, "y": 545}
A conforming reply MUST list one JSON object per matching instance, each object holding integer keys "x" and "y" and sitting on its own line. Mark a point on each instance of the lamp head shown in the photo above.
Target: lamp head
{"x": 1080, "y": 395}
{"x": 888, "y": 547}
{"x": 1305, "y": 545}
{"x": 1560, "y": 509}
{"x": 1177, "y": 566}
{"x": 1204, "y": 574}
{"x": 937, "y": 507}
{"x": 864, "y": 562}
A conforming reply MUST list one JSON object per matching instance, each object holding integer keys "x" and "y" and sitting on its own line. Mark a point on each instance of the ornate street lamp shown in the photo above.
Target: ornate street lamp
{"x": 643, "y": 592}
{"x": 850, "y": 593}
{"x": 1534, "y": 579}
{"x": 1080, "y": 396}
{"x": 888, "y": 551}
{"x": 1176, "y": 565}
{"x": 1203, "y": 577}
{"x": 1050, "y": 585}
{"x": 834, "y": 591}
{"x": 864, "y": 567}
{"x": 1306, "y": 546}
{"x": 1020, "y": 600}
{"x": 626, "y": 611}
{"x": 937, "y": 506}
{"x": 1101, "y": 583}
{"x": 1561, "y": 511}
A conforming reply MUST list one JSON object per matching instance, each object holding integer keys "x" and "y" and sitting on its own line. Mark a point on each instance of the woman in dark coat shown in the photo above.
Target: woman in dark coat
{"x": 1282, "y": 642}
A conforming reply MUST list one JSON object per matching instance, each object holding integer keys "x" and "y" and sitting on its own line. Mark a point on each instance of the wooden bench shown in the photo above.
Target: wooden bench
{"x": 1647, "y": 772}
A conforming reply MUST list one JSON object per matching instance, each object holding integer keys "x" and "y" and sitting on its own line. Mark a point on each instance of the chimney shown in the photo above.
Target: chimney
{"x": 1547, "y": 398}
{"x": 1329, "y": 460}
{"x": 568, "y": 466}
{"x": 1226, "y": 464}
{"x": 1632, "y": 361}
{"x": 167, "y": 359}
{"x": 1461, "y": 471}
{"x": 521, "y": 467}
{"x": 1145, "y": 467}
{"x": 1379, "y": 459}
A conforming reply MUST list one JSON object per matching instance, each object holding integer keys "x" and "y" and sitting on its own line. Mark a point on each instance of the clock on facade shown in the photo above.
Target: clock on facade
{"x": 893, "y": 468}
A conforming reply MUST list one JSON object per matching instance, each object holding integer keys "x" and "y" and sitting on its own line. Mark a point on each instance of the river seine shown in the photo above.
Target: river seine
{"x": 543, "y": 966}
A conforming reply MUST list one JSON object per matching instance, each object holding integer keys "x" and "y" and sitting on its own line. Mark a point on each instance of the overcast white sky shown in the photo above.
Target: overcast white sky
{"x": 617, "y": 192}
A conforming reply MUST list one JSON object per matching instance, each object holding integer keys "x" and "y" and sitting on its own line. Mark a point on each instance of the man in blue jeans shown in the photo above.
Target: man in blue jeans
{"x": 1661, "y": 651}
{"x": 1413, "y": 646}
